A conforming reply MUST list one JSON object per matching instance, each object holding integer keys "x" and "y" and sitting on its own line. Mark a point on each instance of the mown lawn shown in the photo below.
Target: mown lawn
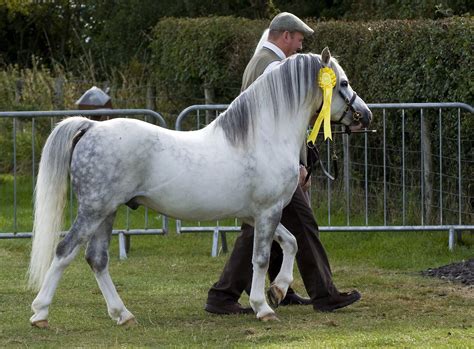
{"x": 165, "y": 281}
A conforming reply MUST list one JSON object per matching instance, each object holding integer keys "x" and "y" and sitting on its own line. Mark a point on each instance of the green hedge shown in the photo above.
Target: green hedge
{"x": 189, "y": 54}
{"x": 387, "y": 61}
{"x": 404, "y": 61}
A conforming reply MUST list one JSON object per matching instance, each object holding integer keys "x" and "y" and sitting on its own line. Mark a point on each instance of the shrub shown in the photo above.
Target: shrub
{"x": 387, "y": 61}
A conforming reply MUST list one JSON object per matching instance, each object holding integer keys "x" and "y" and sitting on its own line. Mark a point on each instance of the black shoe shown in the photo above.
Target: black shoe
{"x": 227, "y": 309}
{"x": 332, "y": 303}
{"x": 295, "y": 299}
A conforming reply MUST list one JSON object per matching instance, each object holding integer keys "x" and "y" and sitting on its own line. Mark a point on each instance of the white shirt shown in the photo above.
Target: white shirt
{"x": 277, "y": 51}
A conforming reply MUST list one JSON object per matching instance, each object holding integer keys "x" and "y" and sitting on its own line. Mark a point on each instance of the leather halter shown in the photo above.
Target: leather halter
{"x": 349, "y": 106}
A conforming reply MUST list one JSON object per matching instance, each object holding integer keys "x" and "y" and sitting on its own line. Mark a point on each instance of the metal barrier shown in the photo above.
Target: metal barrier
{"x": 123, "y": 234}
{"x": 406, "y": 203}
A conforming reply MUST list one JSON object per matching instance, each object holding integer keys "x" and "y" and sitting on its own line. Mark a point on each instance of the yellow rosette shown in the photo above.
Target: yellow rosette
{"x": 327, "y": 81}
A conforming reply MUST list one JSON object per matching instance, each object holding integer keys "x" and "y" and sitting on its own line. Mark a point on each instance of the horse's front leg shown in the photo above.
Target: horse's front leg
{"x": 280, "y": 285}
{"x": 265, "y": 226}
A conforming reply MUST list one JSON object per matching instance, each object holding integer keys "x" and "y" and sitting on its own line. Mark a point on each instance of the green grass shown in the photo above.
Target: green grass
{"x": 166, "y": 278}
{"x": 165, "y": 281}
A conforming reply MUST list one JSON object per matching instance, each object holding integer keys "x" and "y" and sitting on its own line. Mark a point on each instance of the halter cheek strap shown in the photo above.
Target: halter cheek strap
{"x": 349, "y": 102}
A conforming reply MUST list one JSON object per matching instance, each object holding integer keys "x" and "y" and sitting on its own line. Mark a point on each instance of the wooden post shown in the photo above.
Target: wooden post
{"x": 427, "y": 170}
{"x": 58, "y": 98}
{"x": 18, "y": 98}
{"x": 18, "y": 91}
{"x": 347, "y": 175}
{"x": 150, "y": 99}
{"x": 209, "y": 96}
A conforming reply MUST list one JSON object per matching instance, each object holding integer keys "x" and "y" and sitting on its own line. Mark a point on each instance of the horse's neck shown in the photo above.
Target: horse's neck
{"x": 293, "y": 121}
{"x": 276, "y": 108}
{"x": 294, "y": 129}
{"x": 288, "y": 129}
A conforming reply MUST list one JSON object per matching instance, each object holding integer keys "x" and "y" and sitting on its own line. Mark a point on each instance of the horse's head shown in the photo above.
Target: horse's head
{"x": 346, "y": 106}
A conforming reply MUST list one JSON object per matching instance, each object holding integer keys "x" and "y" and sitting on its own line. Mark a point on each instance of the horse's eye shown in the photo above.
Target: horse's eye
{"x": 344, "y": 83}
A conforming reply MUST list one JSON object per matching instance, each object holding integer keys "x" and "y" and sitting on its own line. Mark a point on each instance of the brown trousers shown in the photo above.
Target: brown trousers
{"x": 311, "y": 257}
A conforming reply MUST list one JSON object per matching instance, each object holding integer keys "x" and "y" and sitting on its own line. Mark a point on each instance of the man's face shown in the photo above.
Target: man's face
{"x": 294, "y": 43}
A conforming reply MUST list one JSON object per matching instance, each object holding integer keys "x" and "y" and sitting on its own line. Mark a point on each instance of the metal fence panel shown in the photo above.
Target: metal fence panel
{"x": 418, "y": 178}
{"x": 21, "y": 182}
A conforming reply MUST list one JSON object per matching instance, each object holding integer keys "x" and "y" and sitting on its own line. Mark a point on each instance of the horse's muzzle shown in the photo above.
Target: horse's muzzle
{"x": 356, "y": 112}
{"x": 360, "y": 119}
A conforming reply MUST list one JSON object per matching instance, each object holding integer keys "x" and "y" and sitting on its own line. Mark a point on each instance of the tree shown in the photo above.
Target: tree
{"x": 97, "y": 37}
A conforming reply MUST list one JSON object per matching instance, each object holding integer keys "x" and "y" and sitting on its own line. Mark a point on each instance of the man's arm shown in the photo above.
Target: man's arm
{"x": 303, "y": 174}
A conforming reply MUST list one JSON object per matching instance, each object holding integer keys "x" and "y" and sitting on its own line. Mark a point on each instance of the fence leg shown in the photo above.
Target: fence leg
{"x": 127, "y": 243}
{"x": 122, "y": 247}
{"x": 215, "y": 243}
{"x": 166, "y": 225}
{"x": 178, "y": 226}
{"x": 451, "y": 240}
{"x": 224, "y": 242}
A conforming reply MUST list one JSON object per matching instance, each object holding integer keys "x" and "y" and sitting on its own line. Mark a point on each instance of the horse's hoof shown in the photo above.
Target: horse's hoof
{"x": 40, "y": 324}
{"x": 269, "y": 317}
{"x": 130, "y": 322}
{"x": 275, "y": 296}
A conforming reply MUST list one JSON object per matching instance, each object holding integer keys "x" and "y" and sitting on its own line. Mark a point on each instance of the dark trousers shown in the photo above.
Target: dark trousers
{"x": 311, "y": 257}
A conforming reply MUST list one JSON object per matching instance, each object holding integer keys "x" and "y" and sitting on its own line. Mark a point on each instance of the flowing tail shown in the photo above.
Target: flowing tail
{"x": 50, "y": 195}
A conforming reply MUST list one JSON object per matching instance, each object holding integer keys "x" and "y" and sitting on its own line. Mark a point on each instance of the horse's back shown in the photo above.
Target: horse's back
{"x": 111, "y": 159}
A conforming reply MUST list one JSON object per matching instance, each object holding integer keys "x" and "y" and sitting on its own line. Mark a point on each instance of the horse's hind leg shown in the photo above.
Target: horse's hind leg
{"x": 65, "y": 252}
{"x": 40, "y": 305}
{"x": 284, "y": 278}
{"x": 97, "y": 255}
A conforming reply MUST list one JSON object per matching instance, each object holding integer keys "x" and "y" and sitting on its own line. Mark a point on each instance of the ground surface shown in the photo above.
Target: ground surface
{"x": 462, "y": 272}
{"x": 165, "y": 281}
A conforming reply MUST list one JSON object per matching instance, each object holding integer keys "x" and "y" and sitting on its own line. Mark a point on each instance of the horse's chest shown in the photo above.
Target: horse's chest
{"x": 277, "y": 183}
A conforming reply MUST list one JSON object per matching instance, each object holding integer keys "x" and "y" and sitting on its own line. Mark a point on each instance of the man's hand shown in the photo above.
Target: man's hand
{"x": 303, "y": 174}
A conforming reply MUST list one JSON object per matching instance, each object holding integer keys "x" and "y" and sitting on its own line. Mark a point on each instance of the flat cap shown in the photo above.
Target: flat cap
{"x": 94, "y": 97}
{"x": 286, "y": 21}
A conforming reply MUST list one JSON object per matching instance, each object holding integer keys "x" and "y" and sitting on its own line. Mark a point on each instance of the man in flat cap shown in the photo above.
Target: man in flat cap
{"x": 94, "y": 98}
{"x": 285, "y": 38}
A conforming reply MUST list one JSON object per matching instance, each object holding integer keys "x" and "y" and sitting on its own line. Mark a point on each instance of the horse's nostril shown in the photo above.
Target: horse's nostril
{"x": 367, "y": 120}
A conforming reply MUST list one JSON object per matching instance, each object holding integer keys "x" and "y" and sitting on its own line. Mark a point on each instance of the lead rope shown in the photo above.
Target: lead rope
{"x": 313, "y": 157}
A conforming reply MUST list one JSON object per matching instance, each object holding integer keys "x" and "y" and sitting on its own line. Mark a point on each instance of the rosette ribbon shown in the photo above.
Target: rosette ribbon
{"x": 327, "y": 81}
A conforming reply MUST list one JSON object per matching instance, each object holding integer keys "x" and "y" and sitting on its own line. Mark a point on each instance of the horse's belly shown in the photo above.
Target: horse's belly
{"x": 216, "y": 197}
{"x": 205, "y": 207}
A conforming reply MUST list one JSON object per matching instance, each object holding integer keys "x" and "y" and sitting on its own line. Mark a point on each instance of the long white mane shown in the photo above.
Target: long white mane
{"x": 287, "y": 90}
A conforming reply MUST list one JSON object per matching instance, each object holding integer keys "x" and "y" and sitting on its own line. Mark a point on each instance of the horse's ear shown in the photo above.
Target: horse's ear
{"x": 326, "y": 56}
